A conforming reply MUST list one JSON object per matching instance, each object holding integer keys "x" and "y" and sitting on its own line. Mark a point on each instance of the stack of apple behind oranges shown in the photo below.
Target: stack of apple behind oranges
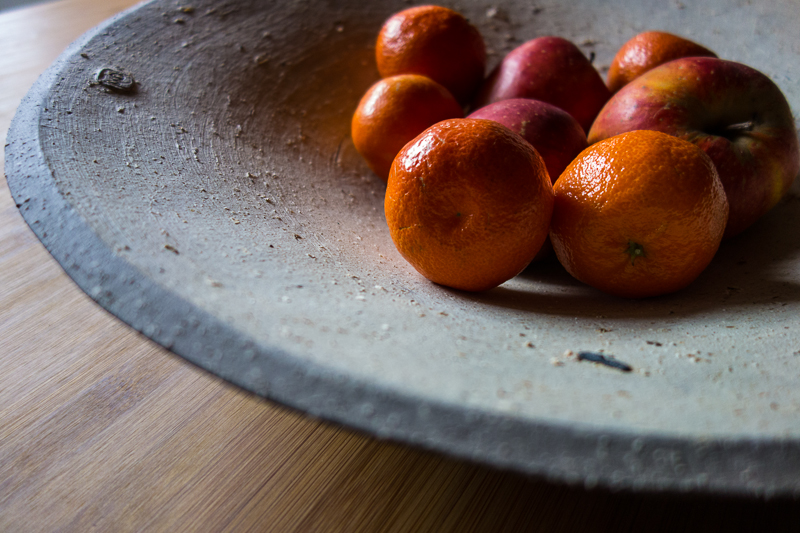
{"x": 632, "y": 182}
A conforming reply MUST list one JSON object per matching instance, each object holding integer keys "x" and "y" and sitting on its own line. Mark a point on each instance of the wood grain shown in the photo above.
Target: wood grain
{"x": 102, "y": 430}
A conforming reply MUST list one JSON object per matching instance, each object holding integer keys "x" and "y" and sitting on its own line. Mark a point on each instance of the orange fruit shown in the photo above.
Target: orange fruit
{"x": 468, "y": 203}
{"x": 648, "y": 50}
{"x": 639, "y": 214}
{"x": 436, "y": 42}
{"x": 395, "y": 110}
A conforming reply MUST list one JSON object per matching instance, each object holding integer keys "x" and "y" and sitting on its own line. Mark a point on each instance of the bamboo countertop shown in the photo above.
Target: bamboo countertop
{"x": 102, "y": 430}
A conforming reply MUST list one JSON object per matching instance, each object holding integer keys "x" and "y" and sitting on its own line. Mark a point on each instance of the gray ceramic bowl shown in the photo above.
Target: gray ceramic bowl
{"x": 213, "y": 200}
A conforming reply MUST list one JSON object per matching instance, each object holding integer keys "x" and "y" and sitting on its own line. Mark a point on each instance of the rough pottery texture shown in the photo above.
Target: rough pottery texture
{"x": 218, "y": 205}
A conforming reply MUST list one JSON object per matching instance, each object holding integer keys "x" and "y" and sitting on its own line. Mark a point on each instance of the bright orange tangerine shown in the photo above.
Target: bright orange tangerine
{"x": 436, "y": 42}
{"x": 468, "y": 203}
{"x": 639, "y": 214}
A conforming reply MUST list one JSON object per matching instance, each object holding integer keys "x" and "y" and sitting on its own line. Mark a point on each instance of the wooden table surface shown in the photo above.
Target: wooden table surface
{"x": 102, "y": 430}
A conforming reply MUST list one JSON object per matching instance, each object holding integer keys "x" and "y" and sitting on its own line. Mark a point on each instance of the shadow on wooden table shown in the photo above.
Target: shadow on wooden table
{"x": 345, "y": 481}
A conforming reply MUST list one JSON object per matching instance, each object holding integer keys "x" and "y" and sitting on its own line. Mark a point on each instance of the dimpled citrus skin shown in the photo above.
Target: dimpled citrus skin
{"x": 648, "y": 50}
{"x": 468, "y": 203}
{"x": 638, "y": 215}
{"x": 395, "y": 110}
{"x": 436, "y": 42}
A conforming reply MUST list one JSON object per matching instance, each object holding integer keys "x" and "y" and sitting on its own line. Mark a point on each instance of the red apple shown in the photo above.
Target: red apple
{"x": 736, "y": 114}
{"x": 553, "y": 132}
{"x": 550, "y": 69}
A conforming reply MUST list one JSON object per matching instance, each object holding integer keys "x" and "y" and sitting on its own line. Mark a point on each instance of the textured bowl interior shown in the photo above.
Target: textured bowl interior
{"x": 221, "y": 209}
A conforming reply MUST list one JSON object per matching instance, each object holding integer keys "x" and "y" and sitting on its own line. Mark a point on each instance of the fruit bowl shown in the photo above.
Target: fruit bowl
{"x": 190, "y": 167}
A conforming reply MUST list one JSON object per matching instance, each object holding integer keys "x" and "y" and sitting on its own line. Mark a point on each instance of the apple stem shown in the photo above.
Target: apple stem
{"x": 741, "y": 127}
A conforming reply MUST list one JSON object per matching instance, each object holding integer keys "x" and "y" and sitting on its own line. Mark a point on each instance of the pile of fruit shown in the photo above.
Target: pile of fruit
{"x": 633, "y": 182}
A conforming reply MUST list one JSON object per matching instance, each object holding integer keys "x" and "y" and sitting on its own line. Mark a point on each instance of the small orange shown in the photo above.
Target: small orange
{"x": 436, "y": 42}
{"x": 639, "y": 214}
{"x": 394, "y": 111}
{"x": 646, "y": 51}
{"x": 468, "y": 203}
